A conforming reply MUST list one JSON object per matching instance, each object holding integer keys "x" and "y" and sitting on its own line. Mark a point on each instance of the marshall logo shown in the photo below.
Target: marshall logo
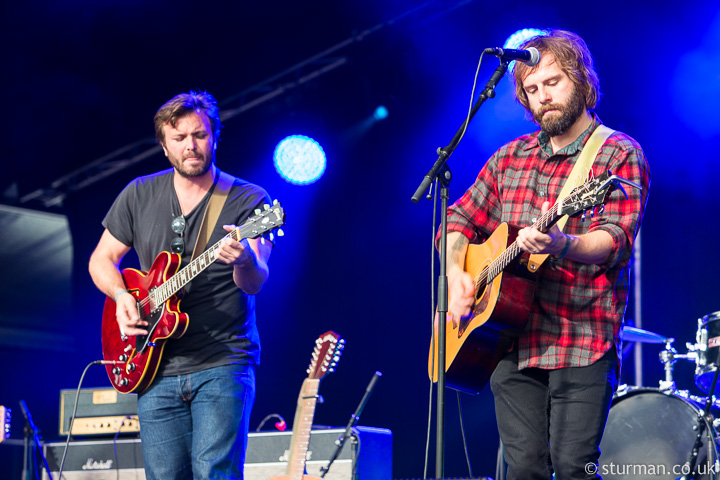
{"x": 93, "y": 464}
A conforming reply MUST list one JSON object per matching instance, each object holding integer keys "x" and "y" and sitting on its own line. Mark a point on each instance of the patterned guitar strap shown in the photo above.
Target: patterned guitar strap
{"x": 576, "y": 178}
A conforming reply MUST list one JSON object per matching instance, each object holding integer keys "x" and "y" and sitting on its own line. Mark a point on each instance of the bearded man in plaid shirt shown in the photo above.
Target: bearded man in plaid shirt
{"x": 553, "y": 389}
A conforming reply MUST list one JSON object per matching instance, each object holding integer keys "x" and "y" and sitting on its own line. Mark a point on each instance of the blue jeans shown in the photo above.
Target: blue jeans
{"x": 195, "y": 426}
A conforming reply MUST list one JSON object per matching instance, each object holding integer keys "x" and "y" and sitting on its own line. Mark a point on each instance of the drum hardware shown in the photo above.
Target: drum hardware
{"x": 669, "y": 356}
{"x": 702, "y": 422}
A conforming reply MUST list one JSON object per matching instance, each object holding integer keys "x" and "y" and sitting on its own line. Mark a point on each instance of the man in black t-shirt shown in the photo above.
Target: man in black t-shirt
{"x": 194, "y": 416}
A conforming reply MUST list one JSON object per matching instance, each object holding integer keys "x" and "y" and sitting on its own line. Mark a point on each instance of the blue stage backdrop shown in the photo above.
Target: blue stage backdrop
{"x": 83, "y": 79}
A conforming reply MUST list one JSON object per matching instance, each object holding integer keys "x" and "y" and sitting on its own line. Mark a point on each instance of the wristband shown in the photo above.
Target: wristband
{"x": 120, "y": 292}
{"x": 565, "y": 249}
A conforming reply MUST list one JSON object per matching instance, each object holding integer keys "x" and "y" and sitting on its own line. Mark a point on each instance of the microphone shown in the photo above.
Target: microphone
{"x": 529, "y": 57}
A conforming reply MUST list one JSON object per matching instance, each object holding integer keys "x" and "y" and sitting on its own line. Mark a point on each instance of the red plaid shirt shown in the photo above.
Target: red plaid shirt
{"x": 578, "y": 308}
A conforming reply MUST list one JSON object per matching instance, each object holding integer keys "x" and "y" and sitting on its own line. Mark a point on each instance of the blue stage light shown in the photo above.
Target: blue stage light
{"x": 381, "y": 113}
{"x": 299, "y": 159}
{"x": 516, "y": 39}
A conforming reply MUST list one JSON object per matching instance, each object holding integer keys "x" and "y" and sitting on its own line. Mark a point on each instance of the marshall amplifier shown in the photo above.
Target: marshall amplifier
{"x": 266, "y": 457}
{"x": 267, "y": 454}
{"x": 96, "y": 460}
{"x": 101, "y": 411}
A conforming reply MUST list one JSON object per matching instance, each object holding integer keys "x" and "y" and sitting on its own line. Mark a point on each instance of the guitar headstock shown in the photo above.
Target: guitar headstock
{"x": 325, "y": 356}
{"x": 592, "y": 193}
{"x": 272, "y": 217}
{"x": 4, "y": 423}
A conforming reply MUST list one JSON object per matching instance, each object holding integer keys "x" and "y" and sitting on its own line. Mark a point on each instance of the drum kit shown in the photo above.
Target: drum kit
{"x": 666, "y": 433}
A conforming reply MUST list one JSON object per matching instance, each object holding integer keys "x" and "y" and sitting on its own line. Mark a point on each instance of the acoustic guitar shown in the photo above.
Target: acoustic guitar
{"x": 504, "y": 289}
{"x": 132, "y": 362}
{"x": 326, "y": 354}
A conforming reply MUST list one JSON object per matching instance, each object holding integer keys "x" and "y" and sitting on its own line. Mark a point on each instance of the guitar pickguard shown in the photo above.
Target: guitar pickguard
{"x": 143, "y": 341}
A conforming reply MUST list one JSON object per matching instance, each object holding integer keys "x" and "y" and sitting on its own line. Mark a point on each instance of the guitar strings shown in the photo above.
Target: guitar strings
{"x": 509, "y": 254}
{"x": 162, "y": 295}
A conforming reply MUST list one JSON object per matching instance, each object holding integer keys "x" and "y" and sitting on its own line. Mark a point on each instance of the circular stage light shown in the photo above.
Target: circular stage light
{"x": 299, "y": 159}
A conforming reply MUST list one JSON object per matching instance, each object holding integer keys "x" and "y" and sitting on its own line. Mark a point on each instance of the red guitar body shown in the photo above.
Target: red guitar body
{"x": 138, "y": 357}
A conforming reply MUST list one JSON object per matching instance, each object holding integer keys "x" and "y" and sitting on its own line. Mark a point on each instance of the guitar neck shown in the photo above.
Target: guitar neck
{"x": 175, "y": 283}
{"x": 302, "y": 425}
{"x": 543, "y": 224}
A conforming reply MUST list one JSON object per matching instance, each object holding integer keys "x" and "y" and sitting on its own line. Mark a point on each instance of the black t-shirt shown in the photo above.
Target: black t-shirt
{"x": 222, "y": 327}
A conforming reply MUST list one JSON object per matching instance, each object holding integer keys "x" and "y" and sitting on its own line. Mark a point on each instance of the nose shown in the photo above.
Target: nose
{"x": 544, "y": 95}
{"x": 191, "y": 144}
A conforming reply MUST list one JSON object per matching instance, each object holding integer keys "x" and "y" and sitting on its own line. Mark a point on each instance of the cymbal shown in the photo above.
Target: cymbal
{"x": 633, "y": 334}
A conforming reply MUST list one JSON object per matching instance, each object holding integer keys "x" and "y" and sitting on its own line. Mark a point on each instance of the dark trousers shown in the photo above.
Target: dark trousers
{"x": 553, "y": 420}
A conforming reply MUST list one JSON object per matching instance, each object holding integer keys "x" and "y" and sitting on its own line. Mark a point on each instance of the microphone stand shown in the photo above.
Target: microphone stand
{"x": 703, "y": 419}
{"x": 441, "y": 171}
{"x": 31, "y": 428}
{"x": 353, "y": 421}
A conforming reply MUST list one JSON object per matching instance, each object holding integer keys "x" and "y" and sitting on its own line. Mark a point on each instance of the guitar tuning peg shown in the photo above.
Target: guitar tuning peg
{"x": 602, "y": 209}
{"x": 266, "y": 207}
{"x": 280, "y": 232}
{"x": 262, "y": 240}
{"x": 258, "y": 211}
{"x": 275, "y": 202}
{"x": 592, "y": 213}
{"x": 272, "y": 236}
{"x": 582, "y": 219}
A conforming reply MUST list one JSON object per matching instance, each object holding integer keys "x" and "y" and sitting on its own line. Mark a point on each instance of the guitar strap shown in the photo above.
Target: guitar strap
{"x": 212, "y": 211}
{"x": 576, "y": 177}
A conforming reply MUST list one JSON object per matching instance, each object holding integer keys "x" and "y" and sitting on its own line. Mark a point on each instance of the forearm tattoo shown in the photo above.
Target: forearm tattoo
{"x": 458, "y": 249}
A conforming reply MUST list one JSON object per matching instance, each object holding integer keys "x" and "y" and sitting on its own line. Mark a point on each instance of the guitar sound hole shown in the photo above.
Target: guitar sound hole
{"x": 480, "y": 290}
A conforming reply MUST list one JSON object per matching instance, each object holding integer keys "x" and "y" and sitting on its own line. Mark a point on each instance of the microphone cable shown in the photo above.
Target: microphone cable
{"x": 432, "y": 295}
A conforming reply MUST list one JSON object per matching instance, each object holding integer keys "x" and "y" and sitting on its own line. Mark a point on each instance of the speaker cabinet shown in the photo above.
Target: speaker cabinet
{"x": 266, "y": 456}
{"x": 268, "y": 451}
{"x": 96, "y": 460}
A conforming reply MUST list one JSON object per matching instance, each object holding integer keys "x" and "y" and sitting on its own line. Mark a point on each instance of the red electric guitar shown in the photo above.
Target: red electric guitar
{"x": 136, "y": 359}
{"x": 327, "y": 351}
{"x": 504, "y": 289}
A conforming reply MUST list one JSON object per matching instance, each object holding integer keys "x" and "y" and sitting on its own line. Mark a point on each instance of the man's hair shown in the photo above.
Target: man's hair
{"x": 572, "y": 56}
{"x": 184, "y": 104}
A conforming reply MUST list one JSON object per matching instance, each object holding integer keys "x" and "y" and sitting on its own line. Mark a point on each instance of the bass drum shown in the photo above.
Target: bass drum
{"x": 650, "y": 435}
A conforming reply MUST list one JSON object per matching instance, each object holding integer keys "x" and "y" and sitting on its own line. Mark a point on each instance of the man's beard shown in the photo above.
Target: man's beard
{"x": 569, "y": 113}
{"x": 190, "y": 172}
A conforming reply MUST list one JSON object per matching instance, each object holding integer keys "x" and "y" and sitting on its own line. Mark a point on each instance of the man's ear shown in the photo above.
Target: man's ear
{"x": 162, "y": 144}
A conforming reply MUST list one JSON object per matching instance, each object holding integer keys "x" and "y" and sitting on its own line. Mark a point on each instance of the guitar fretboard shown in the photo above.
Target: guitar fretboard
{"x": 175, "y": 283}
{"x": 302, "y": 426}
{"x": 511, "y": 253}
